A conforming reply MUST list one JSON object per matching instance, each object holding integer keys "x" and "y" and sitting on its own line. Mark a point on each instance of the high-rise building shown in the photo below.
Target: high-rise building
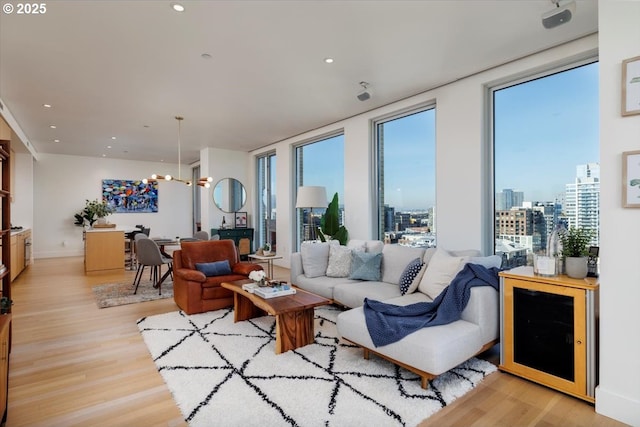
{"x": 509, "y": 198}
{"x": 582, "y": 200}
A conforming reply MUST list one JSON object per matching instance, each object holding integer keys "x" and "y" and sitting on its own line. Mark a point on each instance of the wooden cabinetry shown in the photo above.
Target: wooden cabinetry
{"x": 235, "y": 234}
{"x": 5, "y": 322}
{"x": 5, "y": 274}
{"x": 103, "y": 250}
{"x": 19, "y": 244}
{"x": 548, "y": 330}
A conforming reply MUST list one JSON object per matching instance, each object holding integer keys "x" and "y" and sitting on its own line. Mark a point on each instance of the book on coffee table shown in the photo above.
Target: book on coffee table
{"x": 269, "y": 292}
{"x": 250, "y": 287}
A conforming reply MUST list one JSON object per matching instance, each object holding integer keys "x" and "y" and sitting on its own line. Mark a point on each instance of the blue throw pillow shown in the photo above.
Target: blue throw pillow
{"x": 409, "y": 275}
{"x": 365, "y": 266}
{"x": 217, "y": 268}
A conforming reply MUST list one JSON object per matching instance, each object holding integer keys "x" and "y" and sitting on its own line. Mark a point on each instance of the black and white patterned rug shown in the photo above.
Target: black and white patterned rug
{"x": 227, "y": 374}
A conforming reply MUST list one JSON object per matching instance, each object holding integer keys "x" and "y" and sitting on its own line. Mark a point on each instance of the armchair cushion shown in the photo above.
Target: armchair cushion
{"x": 216, "y": 268}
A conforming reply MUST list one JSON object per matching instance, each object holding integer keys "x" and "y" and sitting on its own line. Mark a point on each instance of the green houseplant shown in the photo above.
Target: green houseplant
{"x": 575, "y": 248}
{"x": 330, "y": 228}
{"x": 92, "y": 211}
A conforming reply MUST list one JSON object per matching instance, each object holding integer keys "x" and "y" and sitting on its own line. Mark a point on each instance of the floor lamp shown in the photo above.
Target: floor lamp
{"x": 311, "y": 197}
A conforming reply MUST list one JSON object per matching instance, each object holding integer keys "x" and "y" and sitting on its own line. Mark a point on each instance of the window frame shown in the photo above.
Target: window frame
{"x": 525, "y": 76}
{"x": 376, "y": 158}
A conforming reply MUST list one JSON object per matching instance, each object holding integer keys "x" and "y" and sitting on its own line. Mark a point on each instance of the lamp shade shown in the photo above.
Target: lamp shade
{"x": 311, "y": 197}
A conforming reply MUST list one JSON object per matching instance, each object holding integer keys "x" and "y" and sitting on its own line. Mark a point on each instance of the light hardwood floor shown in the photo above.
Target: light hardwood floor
{"x": 73, "y": 364}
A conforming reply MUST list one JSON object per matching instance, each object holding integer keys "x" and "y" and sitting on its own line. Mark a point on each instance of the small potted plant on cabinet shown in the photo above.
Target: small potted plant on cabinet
{"x": 575, "y": 251}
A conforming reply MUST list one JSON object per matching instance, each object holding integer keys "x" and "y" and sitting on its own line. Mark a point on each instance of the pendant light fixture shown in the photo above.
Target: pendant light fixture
{"x": 202, "y": 182}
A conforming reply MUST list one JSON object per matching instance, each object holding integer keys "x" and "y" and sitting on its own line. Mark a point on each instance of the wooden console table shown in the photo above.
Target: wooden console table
{"x": 548, "y": 330}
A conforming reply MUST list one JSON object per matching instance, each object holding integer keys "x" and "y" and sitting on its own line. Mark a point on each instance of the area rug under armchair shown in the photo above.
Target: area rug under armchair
{"x": 226, "y": 373}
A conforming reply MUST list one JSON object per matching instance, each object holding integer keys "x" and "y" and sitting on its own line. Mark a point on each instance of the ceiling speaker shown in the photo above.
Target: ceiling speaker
{"x": 364, "y": 96}
{"x": 560, "y": 15}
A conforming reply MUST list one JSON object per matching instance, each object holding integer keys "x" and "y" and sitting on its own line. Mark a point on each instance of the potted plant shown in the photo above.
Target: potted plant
{"x": 330, "y": 228}
{"x": 93, "y": 210}
{"x": 575, "y": 249}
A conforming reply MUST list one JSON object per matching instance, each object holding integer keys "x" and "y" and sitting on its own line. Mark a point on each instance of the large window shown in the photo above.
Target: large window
{"x": 546, "y": 159}
{"x": 319, "y": 163}
{"x": 406, "y": 178}
{"x": 266, "y": 184}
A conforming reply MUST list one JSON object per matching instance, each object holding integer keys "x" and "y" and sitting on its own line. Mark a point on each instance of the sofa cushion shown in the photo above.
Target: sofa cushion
{"x": 373, "y": 246}
{"x": 315, "y": 258}
{"x": 353, "y": 294}
{"x": 323, "y": 285}
{"x": 394, "y": 260}
{"x": 441, "y": 270}
{"x": 339, "y": 261}
{"x": 409, "y": 280}
{"x": 216, "y": 268}
{"x": 357, "y": 245}
{"x": 365, "y": 266}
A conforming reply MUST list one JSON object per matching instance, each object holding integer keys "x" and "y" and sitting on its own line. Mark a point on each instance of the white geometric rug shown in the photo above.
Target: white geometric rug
{"x": 227, "y": 374}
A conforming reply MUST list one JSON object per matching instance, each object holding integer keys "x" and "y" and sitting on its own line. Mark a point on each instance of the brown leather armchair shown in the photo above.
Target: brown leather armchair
{"x": 192, "y": 290}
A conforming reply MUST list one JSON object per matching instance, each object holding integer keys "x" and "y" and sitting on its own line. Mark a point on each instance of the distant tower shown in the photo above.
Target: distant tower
{"x": 509, "y": 198}
{"x": 582, "y": 199}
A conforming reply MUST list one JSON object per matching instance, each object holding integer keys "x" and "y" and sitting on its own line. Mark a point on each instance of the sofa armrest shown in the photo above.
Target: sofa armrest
{"x": 483, "y": 309}
{"x": 245, "y": 268}
{"x": 296, "y": 266}
{"x": 190, "y": 275}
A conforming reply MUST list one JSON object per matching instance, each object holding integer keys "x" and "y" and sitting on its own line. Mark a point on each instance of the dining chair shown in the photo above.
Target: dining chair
{"x": 148, "y": 254}
{"x": 244, "y": 248}
{"x": 215, "y": 237}
{"x": 201, "y": 235}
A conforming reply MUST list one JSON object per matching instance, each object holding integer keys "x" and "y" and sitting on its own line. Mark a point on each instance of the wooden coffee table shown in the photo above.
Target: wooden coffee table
{"x": 293, "y": 313}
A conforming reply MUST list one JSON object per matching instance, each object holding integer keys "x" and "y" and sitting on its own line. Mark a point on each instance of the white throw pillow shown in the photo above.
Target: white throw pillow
{"x": 339, "y": 261}
{"x": 315, "y": 258}
{"x": 441, "y": 270}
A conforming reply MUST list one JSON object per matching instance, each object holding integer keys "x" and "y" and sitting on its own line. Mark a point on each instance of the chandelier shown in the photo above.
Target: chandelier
{"x": 202, "y": 182}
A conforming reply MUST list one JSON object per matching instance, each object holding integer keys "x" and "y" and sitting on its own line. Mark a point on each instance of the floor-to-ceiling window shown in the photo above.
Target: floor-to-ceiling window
{"x": 546, "y": 159}
{"x": 406, "y": 172}
{"x": 318, "y": 163}
{"x": 197, "y": 200}
{"x": 266, "y": 203}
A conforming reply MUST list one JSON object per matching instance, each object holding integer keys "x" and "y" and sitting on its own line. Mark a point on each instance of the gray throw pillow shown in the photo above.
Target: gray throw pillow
{"x": 315, "y": 258}
{"x": 365, "y": 266}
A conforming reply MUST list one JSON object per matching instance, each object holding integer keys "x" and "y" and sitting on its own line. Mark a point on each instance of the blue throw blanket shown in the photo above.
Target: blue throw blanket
{"x": 388, "y": 323}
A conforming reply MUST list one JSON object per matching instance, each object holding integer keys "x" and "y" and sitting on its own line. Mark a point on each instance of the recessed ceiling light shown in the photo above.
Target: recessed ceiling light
{"x": 109, "y": 147}
{"x": 46, "y": 105}
{"x": 328, "y": 60}
{"x": 113, "y": 137}
{"x": 56, "y": 140}
{"x": 177, "y": 7}
{"x": 52, "y": 126}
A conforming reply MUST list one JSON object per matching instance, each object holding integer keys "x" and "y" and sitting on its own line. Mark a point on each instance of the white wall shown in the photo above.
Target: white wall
{"x": 219, "y": 164}
{"x": 22, "y": 202}
{"x": 63, "y": 183}
{"x": 618, "y": 395}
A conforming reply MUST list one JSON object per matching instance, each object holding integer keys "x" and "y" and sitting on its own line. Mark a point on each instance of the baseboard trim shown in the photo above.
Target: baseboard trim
{"x": 618, "y": 407}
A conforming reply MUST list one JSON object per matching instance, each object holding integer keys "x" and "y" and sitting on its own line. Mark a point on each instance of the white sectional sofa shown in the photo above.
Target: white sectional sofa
{"x": 427, "y": 352}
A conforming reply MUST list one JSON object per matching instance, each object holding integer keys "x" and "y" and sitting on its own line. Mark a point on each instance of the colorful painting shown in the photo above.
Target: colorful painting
{"x": 127, "y": 196}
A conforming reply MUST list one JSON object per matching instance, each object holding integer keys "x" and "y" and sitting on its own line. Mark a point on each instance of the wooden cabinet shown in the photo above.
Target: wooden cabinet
{"x": 5, "y": 322}
{"x": 19, "y": 244}
{"x": 5, "y": 275}
{"x": 548, "y": 330}
{"x": 103, "y": 250}
{"x": 235, "y": 234}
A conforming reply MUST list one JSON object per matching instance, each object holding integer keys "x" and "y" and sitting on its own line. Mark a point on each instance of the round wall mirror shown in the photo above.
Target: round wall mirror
{"x": 229, "y": 195}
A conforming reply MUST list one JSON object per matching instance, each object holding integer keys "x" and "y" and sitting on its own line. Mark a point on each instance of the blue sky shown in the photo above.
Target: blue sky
{"x": 543, "y": 130}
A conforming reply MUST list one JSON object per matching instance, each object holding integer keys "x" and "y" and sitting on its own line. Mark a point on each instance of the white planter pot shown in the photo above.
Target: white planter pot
{"x": 576, "y": 267}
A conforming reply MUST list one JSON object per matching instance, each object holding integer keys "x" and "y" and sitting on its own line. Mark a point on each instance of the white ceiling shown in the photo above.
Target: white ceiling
{"x": 125, "y": 69}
